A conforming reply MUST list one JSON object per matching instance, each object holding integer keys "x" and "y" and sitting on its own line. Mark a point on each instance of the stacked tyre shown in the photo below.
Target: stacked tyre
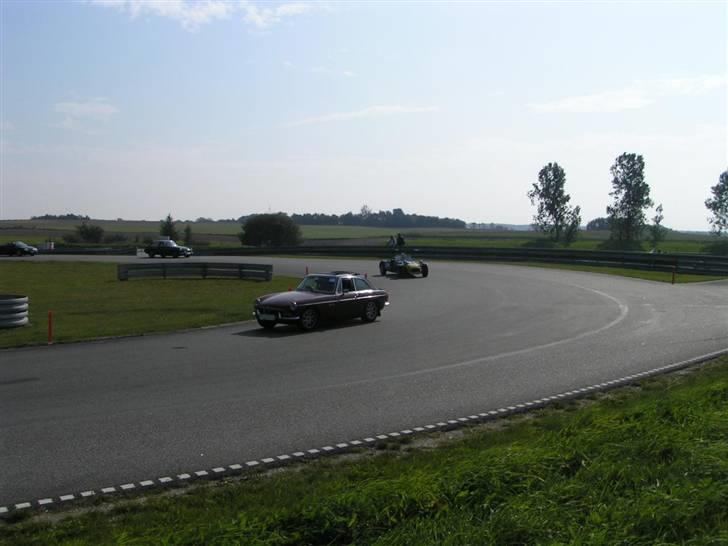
{"x": 13, "y": 311}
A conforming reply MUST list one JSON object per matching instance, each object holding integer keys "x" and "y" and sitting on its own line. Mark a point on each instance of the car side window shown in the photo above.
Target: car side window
{"x": 347, "y": 285}
{"x": 361, "y": 284}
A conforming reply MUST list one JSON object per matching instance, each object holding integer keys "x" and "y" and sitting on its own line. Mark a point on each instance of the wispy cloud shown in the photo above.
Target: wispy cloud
{"x": 370, "y": 112}
{"x": 640, "y": 94}
{"x": 265, "y": 17}
{"x": 77, "y": 115}
{"x": 191, "y": 14}
{"x": 330, "y": 72}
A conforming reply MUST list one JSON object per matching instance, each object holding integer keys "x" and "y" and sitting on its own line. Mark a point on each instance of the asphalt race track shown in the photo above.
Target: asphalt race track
{"x": 469, "y": 338}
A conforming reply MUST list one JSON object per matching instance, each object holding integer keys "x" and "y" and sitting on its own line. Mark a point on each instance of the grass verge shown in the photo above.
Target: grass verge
{"x": 89, "y": 302}
{"x": 644, "y": 464}
{"x": 658, "y": 276}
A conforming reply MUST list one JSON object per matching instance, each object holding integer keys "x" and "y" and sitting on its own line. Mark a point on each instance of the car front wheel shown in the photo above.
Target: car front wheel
{"x": 371, "y": 312}
{"x": 425, "y": 270}
{"x": 382, "y": 269}
{"x": 309, "y": 319}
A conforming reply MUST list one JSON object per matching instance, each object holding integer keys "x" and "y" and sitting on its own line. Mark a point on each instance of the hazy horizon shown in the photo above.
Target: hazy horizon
{"x": 134, "y": 108}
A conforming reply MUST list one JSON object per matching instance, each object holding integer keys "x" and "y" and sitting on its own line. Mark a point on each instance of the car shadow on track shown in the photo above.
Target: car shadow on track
{"x": 397, "y": 277}
{"x": 290, "y": 330}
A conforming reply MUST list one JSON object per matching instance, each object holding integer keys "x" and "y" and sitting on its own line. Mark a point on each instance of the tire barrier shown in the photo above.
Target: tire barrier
{"x": 13, "y": 311}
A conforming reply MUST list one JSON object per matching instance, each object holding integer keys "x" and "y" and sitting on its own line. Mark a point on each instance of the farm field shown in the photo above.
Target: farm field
{"x": 225, "y": 234}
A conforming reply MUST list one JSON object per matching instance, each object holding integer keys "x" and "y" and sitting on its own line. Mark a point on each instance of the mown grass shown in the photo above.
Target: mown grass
{"x": 636, "y": 466}
{"x": 676, "y": 246}
{"x": 89, "y": 302}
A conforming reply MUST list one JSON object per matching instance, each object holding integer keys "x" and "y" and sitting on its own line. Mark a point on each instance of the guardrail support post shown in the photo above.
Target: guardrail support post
{"x": 674, "y": 272}
{"x": 50, "y": 327}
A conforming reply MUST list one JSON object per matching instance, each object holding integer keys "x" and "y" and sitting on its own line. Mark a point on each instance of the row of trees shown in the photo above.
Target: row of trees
{"x": 94, "y": 233}
{"x": 626, "y": 216}
{"x": 168, "y": 228}
{"x": 395, "y": 218}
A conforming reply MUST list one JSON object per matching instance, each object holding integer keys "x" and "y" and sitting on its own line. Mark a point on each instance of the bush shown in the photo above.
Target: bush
{"x": 89, "y": 233}
{"x": 270, "y": 230}
{"x": 115, "y": 238}
{"x": 718, "y": 247}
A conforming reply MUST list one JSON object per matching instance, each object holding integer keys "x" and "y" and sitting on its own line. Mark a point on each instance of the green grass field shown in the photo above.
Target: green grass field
{"x": 89, "y": 302}
{"x": 635, "y": 466}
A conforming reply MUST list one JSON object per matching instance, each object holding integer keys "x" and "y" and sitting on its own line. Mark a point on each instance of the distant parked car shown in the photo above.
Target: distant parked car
{"x": 404, "y": 264}
{"x": 18, "y": 248}
{"x": 167, "y": 247}
{"x": 329, "y": 296}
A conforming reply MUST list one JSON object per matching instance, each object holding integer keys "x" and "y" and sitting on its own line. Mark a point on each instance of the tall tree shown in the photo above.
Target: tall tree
{"x": 631, "y": 197}
{"x": 167, "y": 227}
{"x": 554, "y": 216}
{"x": 571, "y": 225}
{"x": 718, "y": 205}
{"x": 657, "y": 230}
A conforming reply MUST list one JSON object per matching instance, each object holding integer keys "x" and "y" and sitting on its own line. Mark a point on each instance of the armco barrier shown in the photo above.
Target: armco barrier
{"x": 13, "y": 311}
{"x": 699, "y": 264}
{"x": 260, "y": 272}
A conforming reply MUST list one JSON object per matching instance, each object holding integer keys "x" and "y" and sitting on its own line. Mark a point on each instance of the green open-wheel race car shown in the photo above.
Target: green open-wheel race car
{"x": 404, "y": 265}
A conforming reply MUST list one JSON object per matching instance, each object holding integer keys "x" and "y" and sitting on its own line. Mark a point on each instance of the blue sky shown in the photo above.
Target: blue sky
{"x": 133, "y": 108}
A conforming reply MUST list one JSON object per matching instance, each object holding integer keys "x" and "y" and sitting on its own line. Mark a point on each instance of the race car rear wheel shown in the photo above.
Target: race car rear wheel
{"x": 371, "y": 312}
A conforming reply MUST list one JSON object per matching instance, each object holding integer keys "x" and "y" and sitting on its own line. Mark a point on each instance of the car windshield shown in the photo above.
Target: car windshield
{"x": 322, "y": 284}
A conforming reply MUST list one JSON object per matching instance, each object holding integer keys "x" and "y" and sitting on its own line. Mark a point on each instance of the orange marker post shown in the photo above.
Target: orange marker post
{"x": 50, "y": 327}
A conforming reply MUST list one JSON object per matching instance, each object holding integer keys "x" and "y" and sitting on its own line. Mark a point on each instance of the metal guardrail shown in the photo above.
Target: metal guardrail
{"x": 260, "y": 272}
{"x": 699, "y": 264}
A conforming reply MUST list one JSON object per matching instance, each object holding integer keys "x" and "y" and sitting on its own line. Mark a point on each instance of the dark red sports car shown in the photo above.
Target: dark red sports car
{"x": 326, "y": 296}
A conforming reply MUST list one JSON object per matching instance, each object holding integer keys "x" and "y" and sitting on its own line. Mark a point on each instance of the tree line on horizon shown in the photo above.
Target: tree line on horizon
{"x": 555, "y": 217}
{"x": 396, "y": 218}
